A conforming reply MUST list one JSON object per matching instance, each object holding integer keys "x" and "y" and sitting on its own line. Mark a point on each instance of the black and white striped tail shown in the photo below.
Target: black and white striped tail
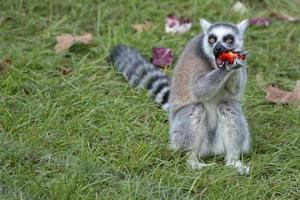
{"x": 141, "y": 73}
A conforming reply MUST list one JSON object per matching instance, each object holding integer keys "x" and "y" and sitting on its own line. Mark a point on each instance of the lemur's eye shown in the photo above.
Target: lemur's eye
{"x": 212, "y": 39}
{"x": 228, "y": 39}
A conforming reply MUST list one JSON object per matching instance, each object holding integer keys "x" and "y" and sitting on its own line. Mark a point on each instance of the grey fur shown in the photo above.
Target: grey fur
{"x": 141, "y": 73}
{"x": 205, "y": 114}
{"x": 200, "y": 50}
{"x": 214, "y": 124}
{"x": 233, "y": 27}
{"x": 194, "y": 120}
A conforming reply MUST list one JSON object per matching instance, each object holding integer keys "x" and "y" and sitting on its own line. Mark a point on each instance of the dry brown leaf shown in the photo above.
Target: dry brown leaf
{"x": 279, "y": 96}
{"x": 84, "y": 38}
{"x": 284, "y": 17}
{"x": 65, "y": 41}
{"x": 65, "y": 70}
{"x": 142, "y": 27}
{"x": 276, "y": 95}
{"x": 4, "y": 64}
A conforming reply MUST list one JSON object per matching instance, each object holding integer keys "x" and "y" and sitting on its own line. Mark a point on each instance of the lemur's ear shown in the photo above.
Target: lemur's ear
{"x": 243, "y": 25}
{"x": 205, "y": 25}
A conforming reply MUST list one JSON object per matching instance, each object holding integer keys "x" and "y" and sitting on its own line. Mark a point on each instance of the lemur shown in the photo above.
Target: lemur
{"x": 203, "y": 96}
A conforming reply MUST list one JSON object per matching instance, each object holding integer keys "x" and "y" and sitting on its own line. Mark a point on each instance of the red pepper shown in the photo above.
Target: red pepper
{"x": 230, "y": 56}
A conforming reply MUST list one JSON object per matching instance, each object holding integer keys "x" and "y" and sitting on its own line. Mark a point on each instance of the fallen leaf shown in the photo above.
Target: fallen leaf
{"x": 279, "y": 96}
{"x": 176, "y": 24}
{"x": 239, "y": 7}
{"x": 161, "y": 57}
{"x": 4, "y": 64}
{"x": 65, "y": 70}
{"x": 142, "y": 27}
{"x": 260, "y": 21}
{"x": 65, "y": 41}
{"x": 284, "y": 17}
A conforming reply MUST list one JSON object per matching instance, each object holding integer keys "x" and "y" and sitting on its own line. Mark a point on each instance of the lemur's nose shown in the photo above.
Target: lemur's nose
{"x": 219, "y": 48}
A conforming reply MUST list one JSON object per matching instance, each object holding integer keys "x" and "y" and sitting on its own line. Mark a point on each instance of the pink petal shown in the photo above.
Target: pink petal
{"x": 260, "y": 21}
{"x": 161, "y": 57}
{"x": 177, "y": 25}
{"x": 172, "y": 20}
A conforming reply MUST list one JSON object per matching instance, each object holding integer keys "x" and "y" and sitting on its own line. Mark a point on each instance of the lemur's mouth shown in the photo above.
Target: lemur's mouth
{"x": 228, "y": 56}
{"x": 219, "y": 59}
{"x": 218, "y": 51}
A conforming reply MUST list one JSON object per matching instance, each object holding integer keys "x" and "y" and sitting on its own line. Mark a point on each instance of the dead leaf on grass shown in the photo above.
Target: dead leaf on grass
{"x": 4, "y": 64}
{"x": 279, "y": 96}
{"x": 65, "y": 70}
{"x": 161, "y": 57}
{"x": 65, "y": 41}
{"x": 175, "y": 24}
{"x": 142, "y": 27}
{"x": 260, "y": 21}
{"x": 284, "y": 17}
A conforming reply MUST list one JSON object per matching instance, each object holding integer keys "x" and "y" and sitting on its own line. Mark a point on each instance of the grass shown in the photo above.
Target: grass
{"x": 88, "y": 135}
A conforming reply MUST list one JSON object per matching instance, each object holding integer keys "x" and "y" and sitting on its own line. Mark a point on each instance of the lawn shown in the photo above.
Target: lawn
{"x": 88, "y": 135}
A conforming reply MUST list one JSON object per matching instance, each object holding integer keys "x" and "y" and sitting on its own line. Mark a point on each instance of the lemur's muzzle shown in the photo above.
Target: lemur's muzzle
{"x": 219, "y": 48}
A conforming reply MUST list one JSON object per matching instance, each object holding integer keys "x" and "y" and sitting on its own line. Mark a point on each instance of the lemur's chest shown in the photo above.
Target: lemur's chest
{"x": 212, "y": 106}
{"x": 232, "y": 90}
{"x": 211, "y": 115}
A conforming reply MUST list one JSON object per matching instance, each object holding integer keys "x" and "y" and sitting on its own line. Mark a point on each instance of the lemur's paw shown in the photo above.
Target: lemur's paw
{"x": 240, "y": 167}
{"x": 196, "y": 165}
{"x": 237, "y": 63}
{"x": 243, "y": 170}
{"x": 242, "y": 52}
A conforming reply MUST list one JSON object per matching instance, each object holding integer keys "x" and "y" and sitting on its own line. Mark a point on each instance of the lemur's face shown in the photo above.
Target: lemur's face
{"x": 222, "y": 37}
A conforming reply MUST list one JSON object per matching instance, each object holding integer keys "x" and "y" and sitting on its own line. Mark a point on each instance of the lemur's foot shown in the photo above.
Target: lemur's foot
{"x": 196, "y": 165}
{"x": 241, "y": 168}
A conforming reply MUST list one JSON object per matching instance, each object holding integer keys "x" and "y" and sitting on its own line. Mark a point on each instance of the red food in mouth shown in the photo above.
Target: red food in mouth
{"x": 228, "y": 56}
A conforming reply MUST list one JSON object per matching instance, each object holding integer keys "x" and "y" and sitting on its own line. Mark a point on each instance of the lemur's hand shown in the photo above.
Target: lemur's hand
{"x": 237, "y": 63}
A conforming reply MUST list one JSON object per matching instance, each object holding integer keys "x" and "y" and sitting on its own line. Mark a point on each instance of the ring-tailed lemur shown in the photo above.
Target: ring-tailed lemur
{"x": 203, "y": 97}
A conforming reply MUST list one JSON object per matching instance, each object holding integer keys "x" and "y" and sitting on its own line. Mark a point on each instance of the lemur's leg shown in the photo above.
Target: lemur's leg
{"x": 232, "y": 126}
{"x": 187, "y": 132}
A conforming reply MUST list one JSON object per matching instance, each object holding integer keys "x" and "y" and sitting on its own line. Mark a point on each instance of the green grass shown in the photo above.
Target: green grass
{"x": 88, "y": 135}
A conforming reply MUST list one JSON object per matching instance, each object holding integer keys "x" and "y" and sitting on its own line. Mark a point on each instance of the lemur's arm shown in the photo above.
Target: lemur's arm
{"x": 207, "y": 85}
{"x": 236, "y": 83}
